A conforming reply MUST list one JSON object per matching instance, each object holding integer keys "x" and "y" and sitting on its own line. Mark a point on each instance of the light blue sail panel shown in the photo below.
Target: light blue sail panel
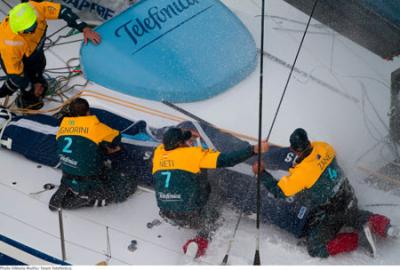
{"x": 175, "y": 50}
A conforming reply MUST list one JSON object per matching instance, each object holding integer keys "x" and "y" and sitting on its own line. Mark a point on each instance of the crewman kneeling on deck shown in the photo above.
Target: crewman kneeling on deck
{"x": 328, "y": 203}
{"x": 183, "y": 191}
{"x": 83, "y": 142}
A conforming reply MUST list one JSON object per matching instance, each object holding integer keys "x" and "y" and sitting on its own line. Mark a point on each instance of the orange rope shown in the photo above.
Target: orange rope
{"x": 135, "y": 106}
{"x": 128, "y": 104}
{"x": 157, "y": 112}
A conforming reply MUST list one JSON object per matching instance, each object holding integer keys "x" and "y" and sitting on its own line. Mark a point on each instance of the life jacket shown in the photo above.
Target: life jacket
{"x": 180, "y": 183}
{"x": 315, "y": 187}
{"x": 78, "y": 140}
{"x": 307, "y": 173}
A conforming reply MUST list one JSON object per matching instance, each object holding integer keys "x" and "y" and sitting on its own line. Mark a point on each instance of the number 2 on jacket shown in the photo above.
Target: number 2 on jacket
{"x": 67, "y": 146}
{"x": 167, "y": 178}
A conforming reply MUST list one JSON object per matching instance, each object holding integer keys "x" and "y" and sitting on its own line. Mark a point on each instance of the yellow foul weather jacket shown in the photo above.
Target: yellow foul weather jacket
{"x": 13, "y": 47}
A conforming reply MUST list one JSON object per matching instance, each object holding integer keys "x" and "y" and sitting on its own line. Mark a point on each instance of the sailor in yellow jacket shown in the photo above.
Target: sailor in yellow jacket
{"x": 82, "y": 144}
{"x": 183, "y": 190}
{"x": 318, "y": 183}
{"x": 22, "y": 37}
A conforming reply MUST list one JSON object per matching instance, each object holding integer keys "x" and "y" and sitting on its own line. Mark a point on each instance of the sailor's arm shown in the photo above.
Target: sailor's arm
{"x": 215, "y": 159}
{"x": 235, "y": 157}
{"x": 269, "y": 182}
{"x": 73, "y": 21}
{"x": 111, "y": 138}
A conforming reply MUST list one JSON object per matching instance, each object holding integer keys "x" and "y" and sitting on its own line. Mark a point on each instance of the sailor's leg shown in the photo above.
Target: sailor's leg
{"x": 211, "y": 211}
{"x": 121, "y": 179}
{"x": 58, "y": 198}
{"x": 322, "y": 239}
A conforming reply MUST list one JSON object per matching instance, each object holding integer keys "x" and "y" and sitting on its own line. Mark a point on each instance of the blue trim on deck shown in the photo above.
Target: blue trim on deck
{"x": 6, "y": 260}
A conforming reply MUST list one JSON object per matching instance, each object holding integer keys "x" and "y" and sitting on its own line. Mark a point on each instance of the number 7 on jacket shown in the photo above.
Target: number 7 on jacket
{"x": 167, "y": 179}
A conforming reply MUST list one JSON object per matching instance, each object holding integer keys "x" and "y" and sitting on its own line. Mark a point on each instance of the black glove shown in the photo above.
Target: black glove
{"x": 13, "y": 84}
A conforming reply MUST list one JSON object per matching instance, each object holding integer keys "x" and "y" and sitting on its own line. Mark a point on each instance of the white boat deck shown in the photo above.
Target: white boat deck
{"x": 351, "y": 114}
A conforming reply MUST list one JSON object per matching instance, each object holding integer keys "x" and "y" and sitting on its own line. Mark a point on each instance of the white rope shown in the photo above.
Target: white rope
{"x": 8, "y": 142}
{"x": 204, "y": 136}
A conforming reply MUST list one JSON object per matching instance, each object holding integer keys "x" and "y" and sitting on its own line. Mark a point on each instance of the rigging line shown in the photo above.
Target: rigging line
{"x": 310, "y": 76}
{"x": 343, "y": 41}
{"x": 56, "y": 55}
{"x": 379, "y": 204}
{"x": 392, "y": 147}
{"x": 187, "y": 113}
{"x": 52, "y": 34}
{"x": 57, "y": 68}
{"x": 368, "y": 123}
{"x": 2, "y": 11}
{"x": 62, "y": 68}
{"x": 57, "y": 237}
{"x": 49, "y": 42}
{"x": 226, "y": 257}
{"x": 66, "y": 42}
{"x": 135, "y": 107}
{"x": 364, "y": 97}
{"x": 379, "y": 175}
{"x": 332, "y": 50}
{"x": 114, "y": 100}
{"x": 316, "y": 25}
{"x": 58, "y": 72}
{"x": 391, "y": 144}
{"x": 133, "y": 104}
{"x": 368, "y": 78}
{"x": 129, "y": 105}
{"x": 365, "y": 93}
{"x": 311, "y": 53}
{"x": 108, "y": 245}
{"x": 7, "y": 4}
{"x": 299, "y": 31}
{"x": 55, "y": 43}
{"x": 255, "y": 3}
{"x": 369, "y": 151}
{"x": 195, "y": 117}
{"x": 291, "y": 70}
{"x": 131, "y": 235}
{"x": 257, "y": 260}
{"x": 257, "y": 253}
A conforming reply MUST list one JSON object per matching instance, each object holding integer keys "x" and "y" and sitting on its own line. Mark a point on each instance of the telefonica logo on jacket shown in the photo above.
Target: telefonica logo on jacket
{"x": 68, "y": 161}
{"x": 156, "y": 18}
{"x": 170, "y": 196}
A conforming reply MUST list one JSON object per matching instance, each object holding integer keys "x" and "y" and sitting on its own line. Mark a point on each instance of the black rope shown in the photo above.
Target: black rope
{"x": 62, "y": 43}
{"x": 291, "y": 70}
{"x": 52, "y": 34}
{"x": 57, "y": 72}
{"x": 7, "y": 4}
{"x": 4, "y": 13}
{"x": 257, "y": 260}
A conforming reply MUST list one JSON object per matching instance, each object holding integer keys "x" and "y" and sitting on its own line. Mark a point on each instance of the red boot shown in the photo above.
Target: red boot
{"x": 379, "y": 224}
{"x": 199, "y": 245}
{"x": 343, "y": 242}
